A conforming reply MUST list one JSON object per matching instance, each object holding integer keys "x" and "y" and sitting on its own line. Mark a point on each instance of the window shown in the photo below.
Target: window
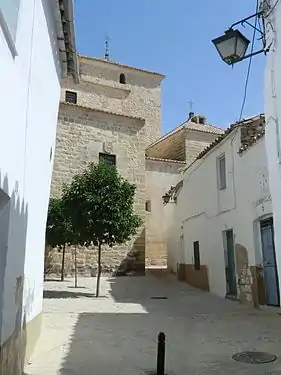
{"x": 148, "y": 206}
{"x": 107, "y": 158}
{"x": 9, "y": 12}
{"x": 196, "y": 255}
{"x": 71, "y": 97}
{"x": 221, "y": 171}
{"x": 122, "y": 78}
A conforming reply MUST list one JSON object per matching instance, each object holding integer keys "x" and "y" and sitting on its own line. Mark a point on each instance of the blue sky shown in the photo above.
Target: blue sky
{"x": 174, "y": 38}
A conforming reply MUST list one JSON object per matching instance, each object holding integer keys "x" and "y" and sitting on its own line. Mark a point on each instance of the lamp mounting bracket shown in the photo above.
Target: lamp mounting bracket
{"x": 246, "y": 21}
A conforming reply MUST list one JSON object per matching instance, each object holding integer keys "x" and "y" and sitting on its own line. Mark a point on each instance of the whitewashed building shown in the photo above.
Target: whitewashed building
{"x": 223, "y": 237}
{"x": 37, "y": 48}
{"x": 272, "y": 18}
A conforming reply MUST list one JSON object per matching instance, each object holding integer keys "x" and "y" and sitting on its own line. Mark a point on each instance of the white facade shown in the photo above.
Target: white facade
{"x": 204, "y": 212}
{"x": 30, "y": 73}
{"x": 273, "y": 116}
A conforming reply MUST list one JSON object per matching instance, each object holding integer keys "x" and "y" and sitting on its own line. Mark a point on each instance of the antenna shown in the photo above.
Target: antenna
{"x": 106, "y": 53}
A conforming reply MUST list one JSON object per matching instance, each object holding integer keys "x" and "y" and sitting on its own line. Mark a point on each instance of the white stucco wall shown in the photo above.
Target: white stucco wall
{"x": 30, "y": 84}
{"x": 273, "y": 118}
{"x": 203, "y": 211}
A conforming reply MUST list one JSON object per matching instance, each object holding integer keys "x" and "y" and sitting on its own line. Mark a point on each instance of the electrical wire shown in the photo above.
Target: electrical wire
{"x": 249, "y": 65}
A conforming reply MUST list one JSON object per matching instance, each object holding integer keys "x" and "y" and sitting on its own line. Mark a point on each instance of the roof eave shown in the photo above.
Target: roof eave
{"x": 160, "y": 75}
{"x": 68, "y": 28}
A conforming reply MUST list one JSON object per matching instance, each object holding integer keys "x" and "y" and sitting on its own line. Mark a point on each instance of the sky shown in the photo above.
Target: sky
{"x": 174, "y": 38}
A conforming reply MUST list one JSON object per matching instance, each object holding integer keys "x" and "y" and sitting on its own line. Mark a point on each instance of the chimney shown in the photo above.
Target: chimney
{"x": 202, "y": 120}
{"x": 198, "y": 119}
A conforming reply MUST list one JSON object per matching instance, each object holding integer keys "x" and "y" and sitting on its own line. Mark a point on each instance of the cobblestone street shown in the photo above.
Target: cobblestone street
{"x": 116, "y": 333}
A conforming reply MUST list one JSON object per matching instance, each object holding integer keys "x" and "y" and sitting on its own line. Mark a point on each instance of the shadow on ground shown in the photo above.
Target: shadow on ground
{"x": 46, "y": 280}
{"x": 201, "y": 330}
{"x": 52, "y": 294}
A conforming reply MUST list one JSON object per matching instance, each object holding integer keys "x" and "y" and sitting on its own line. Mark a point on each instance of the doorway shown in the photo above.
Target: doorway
{"x": 270, "y": 273}
{"x": 230, "y": 269}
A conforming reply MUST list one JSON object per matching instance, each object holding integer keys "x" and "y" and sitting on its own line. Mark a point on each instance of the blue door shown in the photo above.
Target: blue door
{"x": 230, "y": 267}
{"x": 269, "y": 263}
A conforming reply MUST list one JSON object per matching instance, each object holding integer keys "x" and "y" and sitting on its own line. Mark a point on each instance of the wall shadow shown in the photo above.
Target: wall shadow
{"x": 51, "y": 294}
{"x": 109, "y": 343}
{"x": 13, "y": 308}
{"x": 201, "y": 331}
{"x": 134, "y": 262}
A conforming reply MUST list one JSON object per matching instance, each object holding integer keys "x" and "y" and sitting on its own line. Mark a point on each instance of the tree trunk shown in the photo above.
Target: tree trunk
{"x": 99, "y": 271}
{"x": 62, "y": 263}
{"x": 75, "y": 266}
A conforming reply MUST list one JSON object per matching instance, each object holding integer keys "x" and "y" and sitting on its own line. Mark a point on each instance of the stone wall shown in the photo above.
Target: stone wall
{"x": 82, "y": 134}
{"x": 99, "y": 88}
{"x": 160, "y": 176}
{"x": 115, "y": 118}
{"x": 195, "y": 142}
{"x": 118, "y": 261}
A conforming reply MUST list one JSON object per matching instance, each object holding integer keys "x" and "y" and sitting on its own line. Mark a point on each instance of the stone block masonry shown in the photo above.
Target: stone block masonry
{"x": 100, "y": 88}
{"x": 82, "y": 134}
{"x": 108, "y": 116}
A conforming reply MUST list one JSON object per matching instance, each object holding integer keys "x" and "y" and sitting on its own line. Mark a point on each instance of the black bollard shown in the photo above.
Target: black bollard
{"x": 161, "y": 354}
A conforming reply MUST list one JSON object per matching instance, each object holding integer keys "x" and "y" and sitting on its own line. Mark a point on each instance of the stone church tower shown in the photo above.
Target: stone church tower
{"x": 114, "y": 113}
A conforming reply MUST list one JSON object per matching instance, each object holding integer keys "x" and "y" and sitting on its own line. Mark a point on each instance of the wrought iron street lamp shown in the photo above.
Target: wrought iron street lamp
{"x": 233, "y": 45}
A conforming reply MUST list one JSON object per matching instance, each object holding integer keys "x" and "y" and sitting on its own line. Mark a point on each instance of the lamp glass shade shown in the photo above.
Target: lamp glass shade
{"x": 231, "y": 46}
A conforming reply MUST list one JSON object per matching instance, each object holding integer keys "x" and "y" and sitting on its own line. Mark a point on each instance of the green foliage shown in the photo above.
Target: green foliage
{"x": 100, "y": 204}
{"x": 59, "y": 229}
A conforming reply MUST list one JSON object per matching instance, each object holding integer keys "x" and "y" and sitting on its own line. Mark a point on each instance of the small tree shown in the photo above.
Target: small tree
{"x": 59, "y": 228}
{"x": 100, "y": 204}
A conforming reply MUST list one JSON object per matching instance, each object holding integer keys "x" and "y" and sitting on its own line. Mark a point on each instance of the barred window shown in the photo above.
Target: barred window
{"x": 71, "y": 97}
{"x": 107, "y": 158}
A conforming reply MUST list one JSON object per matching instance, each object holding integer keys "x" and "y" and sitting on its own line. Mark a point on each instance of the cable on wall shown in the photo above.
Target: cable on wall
{"x": 249, "y": 65}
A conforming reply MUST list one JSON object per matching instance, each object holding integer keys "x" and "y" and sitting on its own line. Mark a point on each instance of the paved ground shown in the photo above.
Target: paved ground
{"x": 116, "y": 334}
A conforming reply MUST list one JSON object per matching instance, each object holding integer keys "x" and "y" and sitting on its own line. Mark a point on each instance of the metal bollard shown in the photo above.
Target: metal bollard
{"x": 161, "y": 354}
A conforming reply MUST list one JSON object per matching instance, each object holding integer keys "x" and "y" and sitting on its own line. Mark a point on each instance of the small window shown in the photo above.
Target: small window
{"x": 122, "y": 78}
{"x": 221, "y": 171}
{"x": 107, "y": 158}
{"x": 71, "y": 97}
{"x": 196, "y": 255}
{"x": 148, "y": 206}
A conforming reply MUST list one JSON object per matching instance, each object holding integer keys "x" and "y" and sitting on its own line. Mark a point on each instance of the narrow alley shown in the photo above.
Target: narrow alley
{"x": 116, "y": 333}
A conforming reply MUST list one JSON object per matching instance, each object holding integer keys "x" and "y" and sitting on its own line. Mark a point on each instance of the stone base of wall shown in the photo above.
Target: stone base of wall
{"x": 118, "y": 261}
{"x": 16, "y": 351}
{"x": 33, "y": 330}
{"x": 197, "y": 278}
{"x": 156, "y": 254}
{"x": 258, "y": 286}
{"x": 12, "y": 355}
{"x": 251, "y": 282}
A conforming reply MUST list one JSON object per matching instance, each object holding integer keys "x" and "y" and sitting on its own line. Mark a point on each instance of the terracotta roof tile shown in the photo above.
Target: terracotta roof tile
{"x": 205, "y": 128}
{"x": 246, "y": 146}
{"x": 227, "y": 131}
{"x": 101, "y": 111}
{"x": 165, "y": 160}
